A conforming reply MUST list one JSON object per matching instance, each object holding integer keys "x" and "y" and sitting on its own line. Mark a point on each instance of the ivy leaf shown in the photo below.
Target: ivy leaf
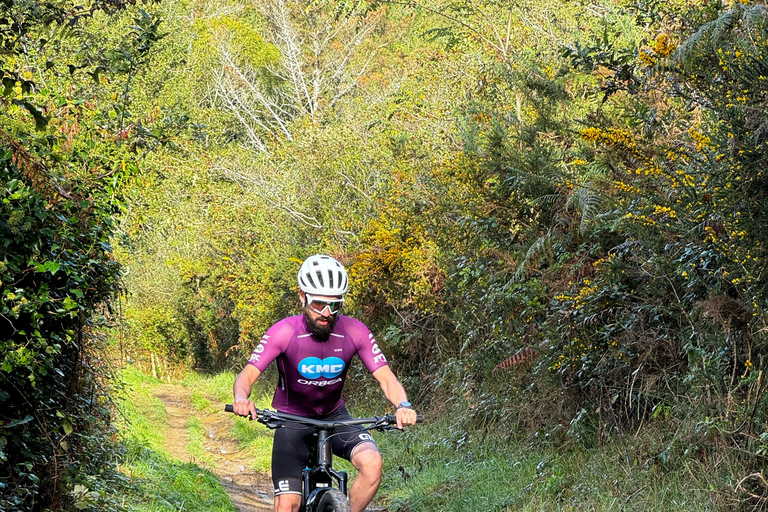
{"x": 8, "y": 85}
{"x": 41, "y": 121}
{"x": 69, "y": 303}
{"x": 95, "y": 74}
{"x": 48, "y": 266}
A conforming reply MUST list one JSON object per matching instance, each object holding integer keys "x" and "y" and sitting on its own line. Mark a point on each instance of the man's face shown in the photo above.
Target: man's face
{"x": 320, "y": 313}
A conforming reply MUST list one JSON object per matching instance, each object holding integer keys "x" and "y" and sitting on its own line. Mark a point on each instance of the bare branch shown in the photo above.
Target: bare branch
{"x": 263, "y": 188}
{"x": 317, "y": 69}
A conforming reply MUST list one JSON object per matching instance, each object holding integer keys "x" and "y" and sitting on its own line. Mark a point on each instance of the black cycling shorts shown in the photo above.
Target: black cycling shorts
{"x": 290, "y": 449}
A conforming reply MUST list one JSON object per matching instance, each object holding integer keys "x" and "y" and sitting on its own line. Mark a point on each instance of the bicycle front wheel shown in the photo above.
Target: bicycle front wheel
{"x": 332, "y": 500}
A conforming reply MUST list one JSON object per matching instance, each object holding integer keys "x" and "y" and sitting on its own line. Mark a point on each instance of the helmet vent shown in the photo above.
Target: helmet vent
{"x": 324, "y": 276}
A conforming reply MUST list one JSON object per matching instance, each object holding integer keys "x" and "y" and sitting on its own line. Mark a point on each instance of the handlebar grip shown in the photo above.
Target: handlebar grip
{"x": 419, "y": 418}
{"x": 230, "y": 408}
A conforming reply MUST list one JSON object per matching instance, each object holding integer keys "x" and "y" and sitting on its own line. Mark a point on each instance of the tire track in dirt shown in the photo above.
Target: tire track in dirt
{"x": 249, "y": 491}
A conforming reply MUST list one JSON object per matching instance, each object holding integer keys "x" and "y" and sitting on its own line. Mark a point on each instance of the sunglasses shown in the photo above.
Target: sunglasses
{"x": 319, "y": 305}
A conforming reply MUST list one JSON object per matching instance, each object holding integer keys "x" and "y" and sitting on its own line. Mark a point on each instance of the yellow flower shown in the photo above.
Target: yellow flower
{"x": 663, "y": 45}
{"x": 645, "y": 58}
{"x": 591, "y": 134}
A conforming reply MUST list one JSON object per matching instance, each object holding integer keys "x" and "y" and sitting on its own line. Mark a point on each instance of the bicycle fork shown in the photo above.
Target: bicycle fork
{"x": 321, "y": 476}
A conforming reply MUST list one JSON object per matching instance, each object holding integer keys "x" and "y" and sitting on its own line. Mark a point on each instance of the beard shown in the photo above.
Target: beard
{"x": 320, "y": 332}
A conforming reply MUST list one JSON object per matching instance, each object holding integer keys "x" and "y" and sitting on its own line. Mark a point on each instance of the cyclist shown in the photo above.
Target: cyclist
{"x": 312, "y": 352}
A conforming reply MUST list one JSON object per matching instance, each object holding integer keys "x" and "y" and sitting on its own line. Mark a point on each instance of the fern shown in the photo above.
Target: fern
{"x": 761, "y": 132}
{"x": 36, "y": 172}
{"x": 755, "y": 17}
{"x": 588, "y": 202}
{"x": 540, "y": 250}
{"x": 710, "y": 36}
{"x": 523, "y": 357}
{"x": 546, "y": 200}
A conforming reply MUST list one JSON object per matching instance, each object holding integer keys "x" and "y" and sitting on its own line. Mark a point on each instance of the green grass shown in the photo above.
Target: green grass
{"x": 142, "y": 417}
{"x": 217, "y": 387}
{"x": 255, "y": 439}
{"x": 157, "y": 483}
{"x": 196, "y": 444}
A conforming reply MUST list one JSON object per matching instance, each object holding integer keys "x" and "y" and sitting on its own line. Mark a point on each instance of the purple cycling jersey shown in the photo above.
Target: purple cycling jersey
{"x": 312, "y": 372}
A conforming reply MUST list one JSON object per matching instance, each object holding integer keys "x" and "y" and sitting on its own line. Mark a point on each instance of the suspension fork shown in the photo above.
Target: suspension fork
{"x": 322, "y": 471}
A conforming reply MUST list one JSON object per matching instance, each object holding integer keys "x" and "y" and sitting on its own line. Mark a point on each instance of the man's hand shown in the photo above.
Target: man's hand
{"x": 405, "y": 416}
{"x": 244, "y": 407}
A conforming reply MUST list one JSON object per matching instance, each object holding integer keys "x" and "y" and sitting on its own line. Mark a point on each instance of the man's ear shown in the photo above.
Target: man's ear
{"x": 302, "y": 298}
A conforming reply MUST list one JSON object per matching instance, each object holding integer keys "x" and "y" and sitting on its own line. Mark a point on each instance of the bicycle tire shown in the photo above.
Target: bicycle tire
{"x": 332, "y": 500}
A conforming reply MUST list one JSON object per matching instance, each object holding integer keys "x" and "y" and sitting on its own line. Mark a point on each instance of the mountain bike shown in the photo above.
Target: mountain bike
{"x": 325, "y": 488}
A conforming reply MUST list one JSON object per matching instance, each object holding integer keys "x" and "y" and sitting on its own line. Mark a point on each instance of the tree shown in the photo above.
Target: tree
{"x": 319, "y": 62}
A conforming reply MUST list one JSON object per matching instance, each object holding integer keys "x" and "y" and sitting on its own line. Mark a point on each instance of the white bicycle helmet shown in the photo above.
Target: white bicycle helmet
{"x": 323, "y": 275}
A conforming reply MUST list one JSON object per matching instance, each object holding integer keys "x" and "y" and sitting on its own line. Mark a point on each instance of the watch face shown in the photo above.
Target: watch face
{"x": 405, "y": 405}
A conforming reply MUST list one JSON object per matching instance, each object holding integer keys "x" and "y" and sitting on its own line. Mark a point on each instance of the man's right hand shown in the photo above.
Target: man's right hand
{"x": 244, "y": 407}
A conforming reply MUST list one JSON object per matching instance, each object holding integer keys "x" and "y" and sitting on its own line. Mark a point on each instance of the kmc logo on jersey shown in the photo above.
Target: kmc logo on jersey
{"x": 314, "y": 367}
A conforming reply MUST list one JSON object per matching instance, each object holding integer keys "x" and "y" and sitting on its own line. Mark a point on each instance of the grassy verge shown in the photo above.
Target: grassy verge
{"x": 157, "y": 483}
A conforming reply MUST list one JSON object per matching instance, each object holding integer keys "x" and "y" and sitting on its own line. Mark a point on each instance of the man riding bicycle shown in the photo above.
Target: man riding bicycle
{"x": 313, "y": 352}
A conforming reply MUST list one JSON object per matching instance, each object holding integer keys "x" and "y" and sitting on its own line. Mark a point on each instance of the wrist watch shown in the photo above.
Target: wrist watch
{"x": 405, "y": 404}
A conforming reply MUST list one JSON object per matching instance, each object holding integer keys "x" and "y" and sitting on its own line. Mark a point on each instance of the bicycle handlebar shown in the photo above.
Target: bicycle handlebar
{"x": 274, "y": 419}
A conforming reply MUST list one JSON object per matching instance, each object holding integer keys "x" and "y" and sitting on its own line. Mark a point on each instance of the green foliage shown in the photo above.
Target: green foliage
{"x": 440, "y": 465}
{"x": 65, "y": 164}
{"x": 57, "y": 273}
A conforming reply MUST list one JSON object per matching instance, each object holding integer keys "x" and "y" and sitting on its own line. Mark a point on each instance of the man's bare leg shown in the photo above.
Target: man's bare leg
{"x": 287, "y": 502}
{"x": 367, "y": 459}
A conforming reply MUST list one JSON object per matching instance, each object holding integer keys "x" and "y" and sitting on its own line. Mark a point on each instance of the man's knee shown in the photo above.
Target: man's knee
{"x": 368, "y": 461}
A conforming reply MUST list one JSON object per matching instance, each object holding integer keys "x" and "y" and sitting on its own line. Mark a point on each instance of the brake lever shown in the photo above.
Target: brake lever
{"x": 383, "y": 423}
{"x": 270, "y": 419}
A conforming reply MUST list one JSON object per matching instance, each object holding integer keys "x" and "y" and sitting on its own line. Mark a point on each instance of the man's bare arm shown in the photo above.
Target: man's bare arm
{"x": 395, "y": 393}
{"x": 242, "y": 390}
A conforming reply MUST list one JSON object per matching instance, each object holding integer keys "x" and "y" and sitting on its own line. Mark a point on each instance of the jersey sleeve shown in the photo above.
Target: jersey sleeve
{"x": 367, "y": 348}
{"x": 272, "y": 344}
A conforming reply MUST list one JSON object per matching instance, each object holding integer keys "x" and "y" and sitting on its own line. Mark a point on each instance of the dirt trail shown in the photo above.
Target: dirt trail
{"x": 248, "y": 490}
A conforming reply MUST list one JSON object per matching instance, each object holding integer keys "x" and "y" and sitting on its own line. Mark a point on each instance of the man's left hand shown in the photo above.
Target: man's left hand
{"x": 405, "y": 416}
